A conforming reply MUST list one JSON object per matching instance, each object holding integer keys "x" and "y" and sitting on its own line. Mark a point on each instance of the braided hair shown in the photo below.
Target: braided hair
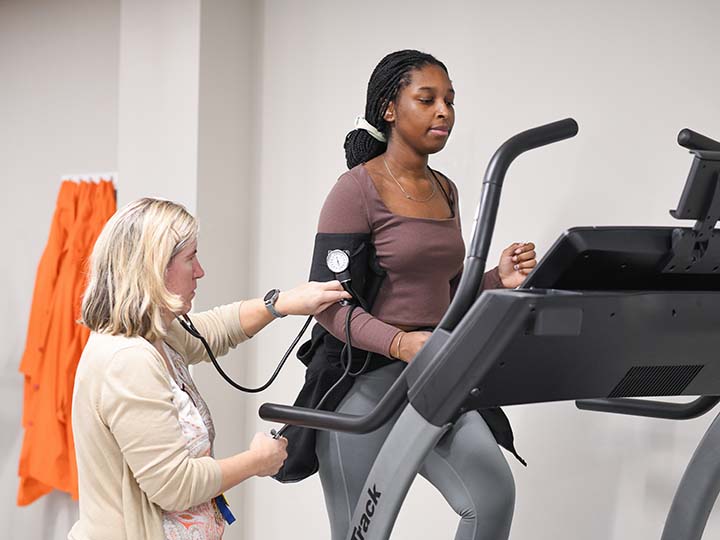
{"x": 391, "y": 75}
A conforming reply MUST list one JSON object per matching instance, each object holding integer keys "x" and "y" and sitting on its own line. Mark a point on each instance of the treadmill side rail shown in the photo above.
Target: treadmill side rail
{"x": 698, "y": 490}
{"x": 392, "y": 474}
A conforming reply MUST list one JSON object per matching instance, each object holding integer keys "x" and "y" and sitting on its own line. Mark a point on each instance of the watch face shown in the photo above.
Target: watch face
{"x": 337, "y": 260}
{"x": 269, "y": 296}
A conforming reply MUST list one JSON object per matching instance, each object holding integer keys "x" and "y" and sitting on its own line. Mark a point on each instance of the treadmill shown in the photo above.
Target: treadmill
{"x": 608, "y": 316}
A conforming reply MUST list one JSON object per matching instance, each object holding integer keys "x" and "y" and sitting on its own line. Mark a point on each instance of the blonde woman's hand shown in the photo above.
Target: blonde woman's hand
{"x": 405, "y": 345}
{"x": 516, "y": 262}
{"x": 310, "y": 298}
{"x": 269, "y": 453}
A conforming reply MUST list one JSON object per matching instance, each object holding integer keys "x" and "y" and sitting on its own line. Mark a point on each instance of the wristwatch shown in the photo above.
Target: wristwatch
{"x": 270, "y": 299}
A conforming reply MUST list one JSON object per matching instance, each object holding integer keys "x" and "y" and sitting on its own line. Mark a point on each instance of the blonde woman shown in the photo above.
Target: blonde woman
{"x": 143, "y": 434}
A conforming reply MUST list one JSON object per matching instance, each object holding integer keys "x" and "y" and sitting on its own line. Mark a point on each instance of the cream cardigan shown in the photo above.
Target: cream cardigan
{"x": 131, "y": 456}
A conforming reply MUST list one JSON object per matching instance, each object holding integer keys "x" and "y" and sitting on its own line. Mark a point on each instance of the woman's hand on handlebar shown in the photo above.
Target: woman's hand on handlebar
{"x": 405, "y": 345}
{"x": 310, "y": 298}
{"x": 516, "y": 262}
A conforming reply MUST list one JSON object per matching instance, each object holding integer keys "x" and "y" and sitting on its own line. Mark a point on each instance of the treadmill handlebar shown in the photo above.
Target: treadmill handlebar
{"x": 471, "y": 279}
{"x": 524, "y": 141}
{"x": 694, "y": 141}
{"x": 329, "y": 420}
{"x": 650, "y": 408}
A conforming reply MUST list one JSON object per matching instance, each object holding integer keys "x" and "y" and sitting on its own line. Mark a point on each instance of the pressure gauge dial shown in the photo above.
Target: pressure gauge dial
{"x": 337, "y": 260}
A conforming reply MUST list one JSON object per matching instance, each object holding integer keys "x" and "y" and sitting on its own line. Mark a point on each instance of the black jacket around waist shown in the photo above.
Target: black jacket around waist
{"x": 321, "y": 355}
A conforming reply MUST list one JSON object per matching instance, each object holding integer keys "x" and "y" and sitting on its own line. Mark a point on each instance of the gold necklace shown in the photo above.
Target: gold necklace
{"x": 407, "y": 195}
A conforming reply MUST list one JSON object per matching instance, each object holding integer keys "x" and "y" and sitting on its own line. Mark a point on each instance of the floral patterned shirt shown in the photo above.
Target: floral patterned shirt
{"x": 204, "y": 521}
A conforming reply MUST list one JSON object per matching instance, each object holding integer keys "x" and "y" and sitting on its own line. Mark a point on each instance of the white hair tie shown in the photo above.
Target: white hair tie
{"x": 361, "y": 123}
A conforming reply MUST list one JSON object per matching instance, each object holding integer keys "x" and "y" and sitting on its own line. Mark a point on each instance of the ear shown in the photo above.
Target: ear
{"x": 389, "y": 115}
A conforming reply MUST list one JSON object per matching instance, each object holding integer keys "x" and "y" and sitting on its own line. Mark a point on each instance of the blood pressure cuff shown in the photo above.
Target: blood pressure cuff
{"x": 321, "y": 354}
{"x": 366, "y": 278}
{"x": 365, "y": 272}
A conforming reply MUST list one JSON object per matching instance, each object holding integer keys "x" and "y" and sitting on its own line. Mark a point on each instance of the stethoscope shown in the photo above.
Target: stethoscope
{"x": 188, "y": 325}
{"x": 338, "y": 261}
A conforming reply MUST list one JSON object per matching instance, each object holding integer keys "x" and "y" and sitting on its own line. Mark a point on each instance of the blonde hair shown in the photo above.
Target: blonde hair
{"x": 126, "y": 293}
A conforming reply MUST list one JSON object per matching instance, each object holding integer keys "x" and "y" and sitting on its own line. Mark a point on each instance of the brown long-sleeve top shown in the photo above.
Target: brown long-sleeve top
{"x": 423, "y": 258}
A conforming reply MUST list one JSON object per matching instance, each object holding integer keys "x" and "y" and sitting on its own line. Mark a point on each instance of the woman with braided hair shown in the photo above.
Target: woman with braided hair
{"x": 411, "y": 213}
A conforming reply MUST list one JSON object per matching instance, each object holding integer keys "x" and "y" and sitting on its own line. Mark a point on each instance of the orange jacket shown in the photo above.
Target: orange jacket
{"x": 55, "y": 340}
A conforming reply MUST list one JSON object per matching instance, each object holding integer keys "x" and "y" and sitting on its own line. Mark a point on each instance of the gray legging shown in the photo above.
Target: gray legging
{"x": 466, "y": 466}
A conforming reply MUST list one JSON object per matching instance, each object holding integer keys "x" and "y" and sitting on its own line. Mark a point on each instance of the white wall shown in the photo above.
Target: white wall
{"x": 631, "y": 73}
{"x": 226, "y": 189}
{"x": 158, "y": 100}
